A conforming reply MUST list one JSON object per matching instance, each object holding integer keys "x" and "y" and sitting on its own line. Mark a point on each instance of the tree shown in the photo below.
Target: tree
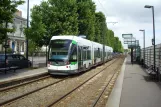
{"x": 107, "y": 39}
{"x": 53, "y": 17}
{"x": 33, "y": 47}
{"x": 110, "y": 33}
{"x": 68, "y": 17}
{"x": 86, "y": 18}
{"x": 100, "y": 28}
{"x": 116, "y": 44}
{"x": 7, "y": 9}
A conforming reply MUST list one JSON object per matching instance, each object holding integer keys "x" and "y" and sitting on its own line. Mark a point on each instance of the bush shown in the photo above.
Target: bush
{"x": 9, "y": 50}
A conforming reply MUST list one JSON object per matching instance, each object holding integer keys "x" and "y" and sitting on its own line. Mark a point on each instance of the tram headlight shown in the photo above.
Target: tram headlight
{"x": 66, "y": 62}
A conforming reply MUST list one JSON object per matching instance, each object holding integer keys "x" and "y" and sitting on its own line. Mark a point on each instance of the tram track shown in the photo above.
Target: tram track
{"x": 23, "y": 95}
{"x": 80, "y": 85}
{"x": 23, "y": 83}
{"x": 12, "y": 100}
{"x": 21, "y": 80}
{"x": 111, "y": 81}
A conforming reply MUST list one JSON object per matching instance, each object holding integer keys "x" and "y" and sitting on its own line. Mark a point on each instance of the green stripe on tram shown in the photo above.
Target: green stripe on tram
{"x": 74, "y": 42}
{"x": 73, "y": 63}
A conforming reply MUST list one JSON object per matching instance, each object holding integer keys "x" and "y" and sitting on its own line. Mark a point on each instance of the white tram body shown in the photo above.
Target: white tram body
{"x": 72, "y": 54}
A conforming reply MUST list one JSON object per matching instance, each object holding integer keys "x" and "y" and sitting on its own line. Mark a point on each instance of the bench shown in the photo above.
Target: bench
{"x": 14, "y": 68}
{"x": 151, "y": 72}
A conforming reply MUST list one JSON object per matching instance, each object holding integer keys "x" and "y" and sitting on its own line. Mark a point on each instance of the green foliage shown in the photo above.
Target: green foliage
{"x": 33, "y": 47}
{"x": 7, "y": 9}
{"x": 53, "y": 17}
{"x": 9, "y": 50}
{"x": 70, "y": 17}
{"x": 86, "y": 18}
{"x": 100, "y": 27}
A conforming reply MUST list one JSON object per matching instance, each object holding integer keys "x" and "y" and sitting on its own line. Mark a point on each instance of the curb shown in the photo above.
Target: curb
{"x": 23, "y": 77}
{"x": 115, "y": 96}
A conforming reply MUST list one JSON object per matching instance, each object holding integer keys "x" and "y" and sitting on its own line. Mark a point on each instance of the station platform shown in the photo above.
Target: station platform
{"x": 134, "y": 88}
{"x": 20, "y": 74}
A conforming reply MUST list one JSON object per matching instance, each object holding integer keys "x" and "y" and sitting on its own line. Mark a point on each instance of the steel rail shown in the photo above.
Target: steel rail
{"x": 12, "y": 100}
{"x": 21, "y": 84}
{"x": 59, "y": 99}
{"x": 98, "y": 98}
{"x": 28, "y": 93}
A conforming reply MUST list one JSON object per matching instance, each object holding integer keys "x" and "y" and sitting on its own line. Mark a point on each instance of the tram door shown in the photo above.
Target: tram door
{"x": 80, "y": 59}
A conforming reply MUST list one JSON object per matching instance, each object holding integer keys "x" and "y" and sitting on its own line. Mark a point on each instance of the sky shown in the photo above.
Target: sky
{"x": 130, "y": 16}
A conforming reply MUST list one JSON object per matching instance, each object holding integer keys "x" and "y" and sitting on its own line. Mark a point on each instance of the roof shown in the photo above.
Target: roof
{"x": 76, "y": 38}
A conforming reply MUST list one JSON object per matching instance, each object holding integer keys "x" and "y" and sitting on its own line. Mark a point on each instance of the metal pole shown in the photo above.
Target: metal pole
{"x": 5, "y": 51}
{"x": 144, "y": 48}
{"x": 154, "y": 36}
{"x": 27, "y": 28}
{"x": 135, "y": 51}
{"x": 131, "y": 52}
{"x": 46, "y": 56}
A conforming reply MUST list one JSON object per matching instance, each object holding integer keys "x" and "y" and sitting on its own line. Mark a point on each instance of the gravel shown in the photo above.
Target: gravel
{"x": 48, "y": 95}
{"x": 12, "y": 93}
{"x": 86, "y": 95}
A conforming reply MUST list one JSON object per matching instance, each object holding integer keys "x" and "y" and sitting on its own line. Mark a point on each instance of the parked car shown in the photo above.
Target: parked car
{"x": 14, "y": 60}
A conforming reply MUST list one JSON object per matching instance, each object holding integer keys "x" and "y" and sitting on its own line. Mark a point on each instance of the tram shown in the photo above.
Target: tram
{"x": 69, "y": 54}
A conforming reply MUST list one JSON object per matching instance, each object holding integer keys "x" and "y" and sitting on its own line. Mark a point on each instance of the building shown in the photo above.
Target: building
{"x": 17, "y": 40}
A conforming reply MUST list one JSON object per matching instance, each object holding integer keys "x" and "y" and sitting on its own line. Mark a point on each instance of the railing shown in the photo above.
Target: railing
{"x": 38, "y": 59}
{"x": 149, "y": 58}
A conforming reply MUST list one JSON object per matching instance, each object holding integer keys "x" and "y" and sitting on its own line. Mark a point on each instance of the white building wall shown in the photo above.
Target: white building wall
{"x": 0, "y": 47}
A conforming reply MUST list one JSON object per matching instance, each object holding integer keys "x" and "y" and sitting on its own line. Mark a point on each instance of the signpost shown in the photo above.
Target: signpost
{"x": 6, "y": 46}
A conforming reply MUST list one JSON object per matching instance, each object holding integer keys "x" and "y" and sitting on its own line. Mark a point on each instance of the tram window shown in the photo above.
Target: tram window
{"x": 84, "y": 54}
{"x": 58, "y": 49}
{"x": 89, "y": 53}
{"x": 98, "y": 53}
{"x": 95, "y": 53}
{"x": 73, "y": 54}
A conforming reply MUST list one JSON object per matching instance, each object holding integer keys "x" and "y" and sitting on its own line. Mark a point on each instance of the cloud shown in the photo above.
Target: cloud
{"x": 130, "y": 15}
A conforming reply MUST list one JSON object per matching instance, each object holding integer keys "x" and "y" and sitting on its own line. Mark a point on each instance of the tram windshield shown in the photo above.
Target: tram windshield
{"x": 58, "y": 49}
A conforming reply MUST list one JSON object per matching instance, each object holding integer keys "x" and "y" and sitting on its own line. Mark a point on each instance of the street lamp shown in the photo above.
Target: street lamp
{"x": 27, "y": 29}
{"x": 148, "y": 6}
{"x": 143, "y": 43}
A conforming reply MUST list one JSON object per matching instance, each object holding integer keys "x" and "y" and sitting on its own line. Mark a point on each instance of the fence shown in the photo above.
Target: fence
{"x": 149, "y": 57}
{"x": 38, "y": 59}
